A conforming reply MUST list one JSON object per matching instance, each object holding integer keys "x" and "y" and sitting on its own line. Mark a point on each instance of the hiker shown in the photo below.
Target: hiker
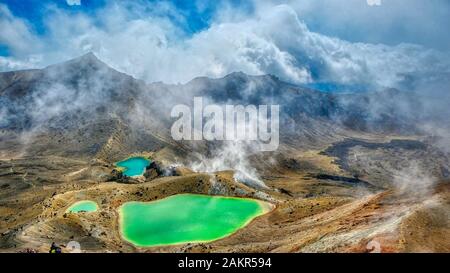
{"x": 54, "y": 248}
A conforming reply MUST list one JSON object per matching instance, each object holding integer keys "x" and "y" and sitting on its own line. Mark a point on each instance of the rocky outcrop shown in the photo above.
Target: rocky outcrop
{"x": 118, "y": 176}
{"x": 158, "y": 169}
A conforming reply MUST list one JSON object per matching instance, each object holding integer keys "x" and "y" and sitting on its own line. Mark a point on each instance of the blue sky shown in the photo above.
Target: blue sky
{"x": 34, "y": 11}
{"x": 314, "y": 42}
{"x": 198, "y": 13}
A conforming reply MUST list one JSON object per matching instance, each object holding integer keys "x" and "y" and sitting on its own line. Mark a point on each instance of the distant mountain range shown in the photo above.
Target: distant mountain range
{"x": 82, "y": 106}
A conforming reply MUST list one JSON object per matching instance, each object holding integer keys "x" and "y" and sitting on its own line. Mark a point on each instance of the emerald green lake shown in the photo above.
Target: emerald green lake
{"x": 86, "y": 205}
{"x": 134, "y": 166}
{"x": 186, "y": 218}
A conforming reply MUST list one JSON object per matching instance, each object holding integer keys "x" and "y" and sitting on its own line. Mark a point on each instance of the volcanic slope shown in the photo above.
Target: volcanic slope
{"x": 340, "y": 179}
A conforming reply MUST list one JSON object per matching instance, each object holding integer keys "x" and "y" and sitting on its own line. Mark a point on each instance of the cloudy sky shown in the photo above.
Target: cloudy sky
{"x": 365, "y": 44}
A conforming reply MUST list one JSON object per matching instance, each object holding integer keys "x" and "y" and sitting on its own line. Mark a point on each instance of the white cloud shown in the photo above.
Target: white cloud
{"x": 16, "y": 33}
{"x": 73, "y": 2}
{"x": 392, "y": 22}
{"x": 374, "y": 2}
{"x": 273, "y": 40}
{"x": 10, "y": 64}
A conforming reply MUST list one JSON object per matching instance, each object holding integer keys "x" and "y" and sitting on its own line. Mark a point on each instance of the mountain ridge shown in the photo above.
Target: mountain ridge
{"x": 84, "y": 90}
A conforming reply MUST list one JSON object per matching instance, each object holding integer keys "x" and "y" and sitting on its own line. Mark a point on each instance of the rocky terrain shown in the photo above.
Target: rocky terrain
{"x": 353, "y": 173}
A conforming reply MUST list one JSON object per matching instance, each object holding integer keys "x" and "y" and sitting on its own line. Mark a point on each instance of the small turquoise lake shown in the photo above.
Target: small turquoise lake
{"x": 134, "y": 166}
{"x": 83, "y": 206}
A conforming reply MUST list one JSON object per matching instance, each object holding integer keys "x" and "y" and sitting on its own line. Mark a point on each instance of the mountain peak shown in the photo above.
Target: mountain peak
{"x": 243, "y": 76}
{"x": 86, "y": 62}
{"x": 88, "y": 58}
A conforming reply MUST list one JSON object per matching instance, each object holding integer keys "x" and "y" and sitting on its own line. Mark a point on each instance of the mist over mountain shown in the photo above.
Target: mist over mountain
{"x": 86, "y": 88}
{"x": 83, "y": 107}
